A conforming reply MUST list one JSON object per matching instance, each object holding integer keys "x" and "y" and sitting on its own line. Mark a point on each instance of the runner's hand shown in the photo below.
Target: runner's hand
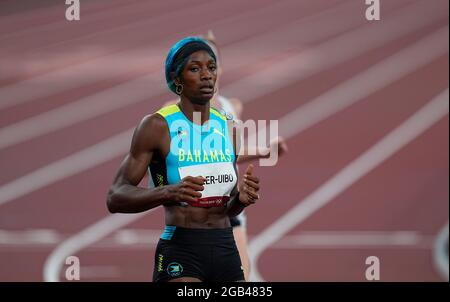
{"x": 187, "y": 190}
{"x": 249, "y": 187}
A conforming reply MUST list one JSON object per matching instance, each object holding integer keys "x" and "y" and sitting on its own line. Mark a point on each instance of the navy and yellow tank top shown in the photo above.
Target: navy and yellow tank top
{"x": 197, "y": 150}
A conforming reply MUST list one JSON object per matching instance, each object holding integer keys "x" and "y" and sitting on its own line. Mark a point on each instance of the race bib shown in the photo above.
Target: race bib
{"x": 220, "y": 181}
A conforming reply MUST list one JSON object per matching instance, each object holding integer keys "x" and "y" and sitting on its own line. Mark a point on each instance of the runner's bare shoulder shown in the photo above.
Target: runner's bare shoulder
{"x": 150, "y": 132}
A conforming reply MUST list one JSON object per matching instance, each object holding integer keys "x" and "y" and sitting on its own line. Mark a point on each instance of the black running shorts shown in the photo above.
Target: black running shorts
{"x": 206, "y": 254}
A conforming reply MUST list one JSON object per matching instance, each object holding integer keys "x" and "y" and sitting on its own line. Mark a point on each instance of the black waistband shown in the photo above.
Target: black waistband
{"x": 198, "y": 236}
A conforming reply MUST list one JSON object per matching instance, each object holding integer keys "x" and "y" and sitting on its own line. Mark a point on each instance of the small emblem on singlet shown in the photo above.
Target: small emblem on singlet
{"x": 160, "y": 180}
{"x": 181, "y": 132}
{"x": 227, "y": 115}
{"x": 218, "y": 132}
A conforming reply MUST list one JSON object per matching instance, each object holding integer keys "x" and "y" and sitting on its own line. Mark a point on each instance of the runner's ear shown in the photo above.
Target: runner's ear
{"x": 174, "y": 78}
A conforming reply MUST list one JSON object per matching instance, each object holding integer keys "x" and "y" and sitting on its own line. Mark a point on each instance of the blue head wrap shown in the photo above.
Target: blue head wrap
{"x": 178, "y": 54}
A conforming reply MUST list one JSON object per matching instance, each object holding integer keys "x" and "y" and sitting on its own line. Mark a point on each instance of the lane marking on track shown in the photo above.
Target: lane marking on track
{"x": 409, "y": 59}
{"x": 99, "y": 272}
{"x": 114, "y": 64}
{"x": 69, "y": 166}
{"x": 145, "y": 239}
{"x": 354, "y": 239}
{"x": 86, "y": 237}
{"x": 30, "y": 237}
{"x": 398, "y": 138}
{"x": 337, "y": 99}
{"x": 136, "y": 90}
{"x": 309, "y": 62}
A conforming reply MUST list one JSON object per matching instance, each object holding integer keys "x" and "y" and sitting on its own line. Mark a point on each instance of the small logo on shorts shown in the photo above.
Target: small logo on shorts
{"x": 160, "y": 262}
{"x": 174, "y": 269}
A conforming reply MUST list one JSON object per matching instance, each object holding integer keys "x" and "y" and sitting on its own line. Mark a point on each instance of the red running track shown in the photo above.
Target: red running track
{"x": 48, "y": 63}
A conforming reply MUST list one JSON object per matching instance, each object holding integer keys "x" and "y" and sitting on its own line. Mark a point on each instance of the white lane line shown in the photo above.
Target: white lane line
{"x": 340, "y": 97}
{"x": 44, "y": 18}
{"x": 336, "y": 50}
{"x": 416, "y": 62}
{"x": 354, "y": 239}
{"x": 91, "y": 16}
{"x": 118, "y": 144}
{"x": 66, "y": 167}
{"x": 307, "y": 63}
{"x": 112, "y": 65}
{"x": 136, "y": 236}
{"x": 365, "y": 83}
{"x": 137, "y": 90}
{"x": 440, "y": 253}
{"x": 30, "y": 237}
{"x": 88, "y": 107}
{"x": 409, "y": 130}
{"x": 99, "y": 271}
{"x": 144, "y": 239}
{"x": 86, "y": 237}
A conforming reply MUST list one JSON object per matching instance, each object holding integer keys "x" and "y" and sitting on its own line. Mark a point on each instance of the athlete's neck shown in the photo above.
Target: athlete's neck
{"x": 188, "y": 108}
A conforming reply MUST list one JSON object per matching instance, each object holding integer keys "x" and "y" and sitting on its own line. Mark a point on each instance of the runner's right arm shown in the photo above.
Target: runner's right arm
{"x": 125, "y": 196}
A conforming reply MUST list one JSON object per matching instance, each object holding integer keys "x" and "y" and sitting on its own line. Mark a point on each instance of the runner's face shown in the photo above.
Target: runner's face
{"x": 199, "y": 77}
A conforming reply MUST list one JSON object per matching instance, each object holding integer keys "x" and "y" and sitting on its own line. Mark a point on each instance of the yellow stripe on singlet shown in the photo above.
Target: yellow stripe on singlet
{"x": 168, "y": 110}
{"x": 218, "y": 114}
